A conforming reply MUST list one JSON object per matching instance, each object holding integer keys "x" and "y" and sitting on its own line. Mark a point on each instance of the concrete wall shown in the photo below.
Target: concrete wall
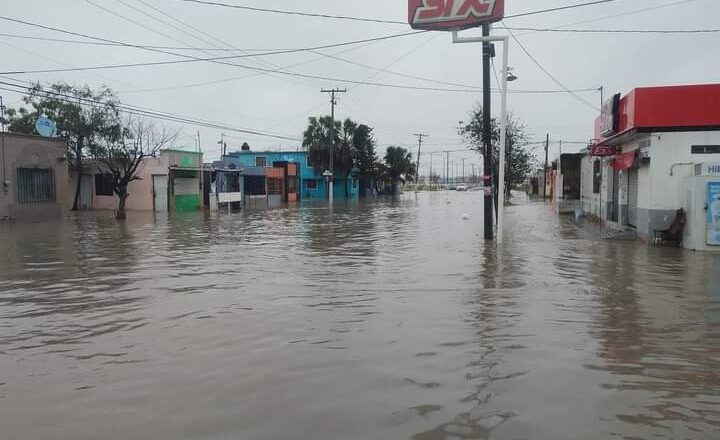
{"x": 141, "y": 191}
{"x": 27, "y": 151}
{"x": 661, "y": 187}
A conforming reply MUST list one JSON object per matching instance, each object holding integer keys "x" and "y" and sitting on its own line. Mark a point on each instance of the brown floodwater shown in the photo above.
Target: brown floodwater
{"x": 387, "y": 319}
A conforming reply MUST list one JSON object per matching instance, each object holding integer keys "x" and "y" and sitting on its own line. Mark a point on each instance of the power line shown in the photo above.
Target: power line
{"x": 141, "y": 111}
{"x": 560, "y": 8}
{"x": 622, "y": 14}
{"x": 550, "y": 75}
{"x": 373, "y": 20}
{"x": 615, "y": 31}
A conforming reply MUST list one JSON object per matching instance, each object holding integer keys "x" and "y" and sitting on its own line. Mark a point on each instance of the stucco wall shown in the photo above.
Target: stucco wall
{"x": 26, "y": 151}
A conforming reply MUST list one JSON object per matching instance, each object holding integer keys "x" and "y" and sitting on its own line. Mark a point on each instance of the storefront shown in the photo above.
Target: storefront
{"x": 647, "y": 144}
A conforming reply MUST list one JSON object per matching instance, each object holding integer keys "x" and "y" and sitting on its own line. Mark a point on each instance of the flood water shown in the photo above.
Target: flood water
{"x": 381, "y": 320}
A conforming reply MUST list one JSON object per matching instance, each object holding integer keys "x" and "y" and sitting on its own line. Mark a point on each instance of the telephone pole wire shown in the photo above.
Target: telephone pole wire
{"x": 331, "y": 172}
{"x": 420, "y": 137}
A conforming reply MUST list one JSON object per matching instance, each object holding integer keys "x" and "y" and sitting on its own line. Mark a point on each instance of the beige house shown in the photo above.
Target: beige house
{"x": 34, "y": 177}
{"x": 169, "y": 182}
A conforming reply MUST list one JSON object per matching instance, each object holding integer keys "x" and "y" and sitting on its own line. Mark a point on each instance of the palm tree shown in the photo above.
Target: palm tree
{"x": 317, "y": 140}
{"x": 399, "y": 165}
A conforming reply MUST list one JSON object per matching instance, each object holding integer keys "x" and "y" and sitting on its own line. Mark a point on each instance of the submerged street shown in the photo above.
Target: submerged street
{"x": 380, "y": 319}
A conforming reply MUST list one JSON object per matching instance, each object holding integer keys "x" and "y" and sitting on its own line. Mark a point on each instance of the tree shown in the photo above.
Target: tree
{"x": 318, "y": 140}
{"x": 123, "y": 153}
{"x": 400, "y": 166}
{"x": 365, "y": 158}
{"x": 518, "y": 162}
{"x": 84, "y": 117}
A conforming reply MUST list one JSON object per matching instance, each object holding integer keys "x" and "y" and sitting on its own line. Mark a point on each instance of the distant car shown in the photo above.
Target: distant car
{"x": 462, "y": 187}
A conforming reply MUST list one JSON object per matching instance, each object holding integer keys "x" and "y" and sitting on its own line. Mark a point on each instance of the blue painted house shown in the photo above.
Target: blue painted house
{"x": 312, "y": 184}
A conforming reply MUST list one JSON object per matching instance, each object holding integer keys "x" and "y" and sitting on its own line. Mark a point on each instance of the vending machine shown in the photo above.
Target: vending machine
{"x": 702, "y": 231}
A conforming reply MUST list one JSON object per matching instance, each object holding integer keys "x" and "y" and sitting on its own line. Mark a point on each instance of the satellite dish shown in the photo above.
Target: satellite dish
{"x": 46, "y": 127}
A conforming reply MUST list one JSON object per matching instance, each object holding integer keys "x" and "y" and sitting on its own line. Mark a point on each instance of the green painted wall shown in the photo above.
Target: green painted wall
{"x": 187, "y": 203}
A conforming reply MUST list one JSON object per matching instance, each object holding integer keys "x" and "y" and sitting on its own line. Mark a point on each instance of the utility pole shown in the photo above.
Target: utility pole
{"x": 488, "y": 53}
{"x": 223, "y": 145}
{"x": 420, "y": 137}
{"x": 447, "y": 167}
{"x": 331, "y": 177}
{"x": 463, "y": 173}
{"x": 547, "y": 147}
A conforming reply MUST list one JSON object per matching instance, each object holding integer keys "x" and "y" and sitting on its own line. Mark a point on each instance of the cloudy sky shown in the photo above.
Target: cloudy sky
{"x": 236, "y": 94}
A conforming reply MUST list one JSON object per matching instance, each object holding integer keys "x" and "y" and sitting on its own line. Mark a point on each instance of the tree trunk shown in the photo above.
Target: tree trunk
{"x": 347, "y": 191}
{"x": 78, "y": 166}
{"x": 120, "y": 213}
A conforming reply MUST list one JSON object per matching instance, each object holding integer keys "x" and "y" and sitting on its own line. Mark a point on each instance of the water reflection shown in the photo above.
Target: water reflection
{"x": 375, "y": 320}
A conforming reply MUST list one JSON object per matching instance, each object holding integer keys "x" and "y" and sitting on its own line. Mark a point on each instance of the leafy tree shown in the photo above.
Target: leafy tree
{"x": 400, "y": 166}
{"x": 365, "y": 157}
{"x": 122, "y": 155}
{"x": 518, "y": 159}
{"x": 318, "y": 140}
{"x": 85, "y": 118}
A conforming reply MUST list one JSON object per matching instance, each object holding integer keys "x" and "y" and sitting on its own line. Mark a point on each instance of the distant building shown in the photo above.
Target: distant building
{"x": 301, "y": 179}
{"x": 34, "y": 183}
{"x": 657, "y": 150}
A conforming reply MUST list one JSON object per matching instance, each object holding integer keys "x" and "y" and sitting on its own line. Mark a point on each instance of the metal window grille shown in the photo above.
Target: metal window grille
{"x": 706, "y": 149}
{"x": 261, "y": 161}
{"x": 104, "y": 185}
{"x": 274, "y": 186}
{"x": 35, "y": 185}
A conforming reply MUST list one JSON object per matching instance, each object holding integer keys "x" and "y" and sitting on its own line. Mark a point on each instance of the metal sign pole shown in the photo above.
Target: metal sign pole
{"x": 503, "y": 117}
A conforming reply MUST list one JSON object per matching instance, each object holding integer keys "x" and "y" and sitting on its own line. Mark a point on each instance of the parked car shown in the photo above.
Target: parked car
{"x": 462, "y": 187}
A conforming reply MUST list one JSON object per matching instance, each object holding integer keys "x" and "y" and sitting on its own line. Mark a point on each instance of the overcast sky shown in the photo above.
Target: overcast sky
{"x": 281, "y": 104}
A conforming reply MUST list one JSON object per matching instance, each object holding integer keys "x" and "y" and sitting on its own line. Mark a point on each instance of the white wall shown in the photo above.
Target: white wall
{"x": 668, "y": 149}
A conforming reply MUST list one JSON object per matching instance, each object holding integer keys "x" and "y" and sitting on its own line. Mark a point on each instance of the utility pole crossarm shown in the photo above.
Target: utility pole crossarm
{"x": 333, "y": 103}
{"x": 420, "y": 137}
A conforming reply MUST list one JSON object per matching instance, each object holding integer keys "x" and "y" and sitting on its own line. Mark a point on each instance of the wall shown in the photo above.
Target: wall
{"x": 27, "y": 151}
{"x": 141, "y": 191}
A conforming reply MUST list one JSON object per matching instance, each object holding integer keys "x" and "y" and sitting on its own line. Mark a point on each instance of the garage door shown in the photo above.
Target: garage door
{"x": 633, "y": 197}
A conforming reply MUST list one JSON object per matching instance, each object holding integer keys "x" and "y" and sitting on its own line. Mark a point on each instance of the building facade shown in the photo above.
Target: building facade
{"x": 34, "y": 183}
{"x": 648, "y": 146}
{"x": 309, "y": 184}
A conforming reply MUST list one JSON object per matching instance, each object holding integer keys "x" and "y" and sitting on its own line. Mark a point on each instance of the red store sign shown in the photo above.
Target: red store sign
{"x": 603, "y": 151}
{"x": 448, "y": 15}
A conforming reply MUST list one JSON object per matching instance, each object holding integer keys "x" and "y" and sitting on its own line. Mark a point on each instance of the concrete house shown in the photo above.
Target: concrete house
{"x": 34, "y": 183}
{"x": 309, "y": 184}
{"x": 652, "y": 149}
{"x": 168, "y": 182}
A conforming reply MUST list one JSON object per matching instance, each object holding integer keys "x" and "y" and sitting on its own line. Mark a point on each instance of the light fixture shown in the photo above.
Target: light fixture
{"x": 510, "y": 75}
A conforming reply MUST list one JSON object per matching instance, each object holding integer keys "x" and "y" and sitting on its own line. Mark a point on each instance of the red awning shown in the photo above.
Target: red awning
{"x": 624, "y": 161}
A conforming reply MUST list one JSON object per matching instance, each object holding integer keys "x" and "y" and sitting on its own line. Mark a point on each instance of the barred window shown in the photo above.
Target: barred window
{"x": 597, "y": 177}
{"x": 261, "y": 161}
{"x": 104, "y": 184}
{"x": 35, "y": 185}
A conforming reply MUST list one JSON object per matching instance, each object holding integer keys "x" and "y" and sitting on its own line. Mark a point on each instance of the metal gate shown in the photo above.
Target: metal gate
{"x": 632, "y": 217}
{"x": 615, "y": 205}
{"x": 160, "y": 193}
{"x": 85, "y": 202}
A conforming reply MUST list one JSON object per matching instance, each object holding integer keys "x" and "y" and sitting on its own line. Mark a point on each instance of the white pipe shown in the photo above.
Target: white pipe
{"x": 503, "y": 138}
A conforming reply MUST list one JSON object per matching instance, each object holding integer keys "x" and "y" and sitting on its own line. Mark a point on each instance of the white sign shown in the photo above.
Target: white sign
{"x": 711, "y": 169}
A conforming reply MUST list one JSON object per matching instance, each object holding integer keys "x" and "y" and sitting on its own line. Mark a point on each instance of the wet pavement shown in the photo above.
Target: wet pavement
{"x": 382, "y": 320}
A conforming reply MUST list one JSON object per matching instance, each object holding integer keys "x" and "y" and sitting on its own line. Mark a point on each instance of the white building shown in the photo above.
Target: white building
{"x": 653, "y": 148}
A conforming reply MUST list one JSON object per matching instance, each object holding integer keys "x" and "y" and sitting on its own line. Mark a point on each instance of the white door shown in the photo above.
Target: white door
{"x": 160, "y": 193}
{"x": 633, "y": 197}
{"x": 85, "y": 202}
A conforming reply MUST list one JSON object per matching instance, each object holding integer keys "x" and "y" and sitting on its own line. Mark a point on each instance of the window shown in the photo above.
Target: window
{"x": 597, "y": 176}
{"x": 104, "y": 184}
{"x": 35, "y": 185}
{"x": 292, "y": 184}
{"x": 261, "y": 161}
{"x": 311, "y": 184}
{"x": 308, "y": 162}
{"x": 706, "y": 149}
{"x": 274, "y": 186}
